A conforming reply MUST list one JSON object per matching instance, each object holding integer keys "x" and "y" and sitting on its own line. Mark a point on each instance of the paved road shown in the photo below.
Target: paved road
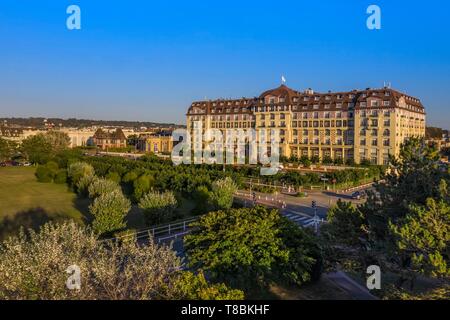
{"x": 297, "y": 209}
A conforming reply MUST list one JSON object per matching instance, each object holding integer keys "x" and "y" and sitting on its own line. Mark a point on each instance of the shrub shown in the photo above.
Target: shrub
{"x": 222, "y": 193}
{"x": 83, "y": 184}
{"x": 100, "y": 186}
{"x": 78, "y": 170}
{"x": 195, "y": 287}
{"x": 158, "y": 207}
{"x": 61, "y": 177}
{"x": 113, "y": 176}
{"x": 109, "y": 211}
{"x": 44, "y": 174}
{"x": 142, "y": 185}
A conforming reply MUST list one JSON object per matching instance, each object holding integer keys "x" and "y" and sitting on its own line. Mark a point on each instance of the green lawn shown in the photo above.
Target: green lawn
{"x": 28, "y": 203}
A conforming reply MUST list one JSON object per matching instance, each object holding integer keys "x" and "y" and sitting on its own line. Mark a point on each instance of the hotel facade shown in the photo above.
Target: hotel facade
{"x": 357, "y": 125}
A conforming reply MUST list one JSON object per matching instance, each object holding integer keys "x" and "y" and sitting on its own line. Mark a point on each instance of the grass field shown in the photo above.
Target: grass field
{"x": 28, "y": 203}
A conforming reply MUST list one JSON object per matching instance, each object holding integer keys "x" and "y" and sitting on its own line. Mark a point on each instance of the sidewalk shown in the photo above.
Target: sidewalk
{"x": 357, "y": 291}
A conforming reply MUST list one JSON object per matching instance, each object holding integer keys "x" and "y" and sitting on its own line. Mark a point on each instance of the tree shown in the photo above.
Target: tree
{"x": 33, "y": 266}
{"x": 251, "y": 247}
{"x": 403, "y": 226}
{"x": 158, "y": 207}
{"x": 61, "y": 176}
{"x": 423, "y": 238}
{"x": 142, "y": 185}
{"x": 37, "y": 149}
{"x": 78, "y": 170}
{"x": 58, "y": 140}
{"x": 7, "y": 149}
{"x": 113, "y": 176}
{"x": 222, "y": 194}
{"x": 195, "y": 287}
{"x": 305, "y": 161}
{"x": 44, "y": 174}
{"x": 305, "y": 261}
{"x": 411, "y": 179}
{"x": 100, "y": 186}
{"x": 346, "y": 223}
{"x": 109, "y": 211}
{"x": 238, "y": 246}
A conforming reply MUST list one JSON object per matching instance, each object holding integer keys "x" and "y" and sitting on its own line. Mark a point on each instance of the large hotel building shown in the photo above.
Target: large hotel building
{"x": 366, "y": 124}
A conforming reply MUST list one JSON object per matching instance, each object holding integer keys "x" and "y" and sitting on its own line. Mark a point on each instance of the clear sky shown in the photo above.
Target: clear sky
{"x": 148, "y": 60}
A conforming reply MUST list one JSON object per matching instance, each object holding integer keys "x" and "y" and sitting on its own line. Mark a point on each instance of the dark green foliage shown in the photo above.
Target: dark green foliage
{"x": 113, "y": 176}
{"x": 44, "y": 174}
{"x": 143, "y": 185}
{"x": 61, "y": 176}
{"x": 195, "y": 287}
{"x": 37, "y": 149}
{"x": 7, "y": 149}
{"x": 249, "y": 248}
{"x": 403, "y": 226}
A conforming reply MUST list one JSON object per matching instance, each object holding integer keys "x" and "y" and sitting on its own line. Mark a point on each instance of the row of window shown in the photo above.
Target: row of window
{"x": 374, "y": 142}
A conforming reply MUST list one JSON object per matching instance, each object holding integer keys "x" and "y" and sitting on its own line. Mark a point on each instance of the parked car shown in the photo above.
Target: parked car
{"x": 359, "y": 195}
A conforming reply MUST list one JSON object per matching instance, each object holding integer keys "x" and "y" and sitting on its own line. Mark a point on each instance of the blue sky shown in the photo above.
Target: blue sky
{"x": 147, "y": 60}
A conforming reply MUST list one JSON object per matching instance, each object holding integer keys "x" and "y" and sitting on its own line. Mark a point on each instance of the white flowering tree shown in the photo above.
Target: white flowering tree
{"x": 34, "y": 266}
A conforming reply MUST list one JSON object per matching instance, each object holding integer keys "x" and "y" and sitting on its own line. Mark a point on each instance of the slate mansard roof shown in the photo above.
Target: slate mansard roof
{"x": 308, "y": 100}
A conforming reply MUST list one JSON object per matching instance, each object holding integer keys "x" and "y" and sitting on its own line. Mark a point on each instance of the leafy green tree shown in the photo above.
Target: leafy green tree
{"x": 158, "y": 207}
{"x": 222, "y": 194}
{"x": 305, "y": 261}
{"x": 58, "y": 140}
{"x": 315, "y": 159}
{"x": 201, "y": 197}
{"x": 37, "y": 149}
{"x": 423, "y": 238}
{"x": 7, "y": 149}
{"x": 142, "y": 185}
{"x": 346, "y": 223}
{"x": 113, "y": 176}
{"x": 100, "y": 186}
{"x": 327, "y": 160}
{"x": 305, "y": 161}
{"x": 191, "y": 286}
{"x": 78, "y": 170}
{"x": 403, "y": 226}
{"x": 411, "y": 179}
{"x": 238, "y": 246}
{"x": 61, "y": 176}
{"x": 44, "y": 174}
{"x": 109, "y": 211}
